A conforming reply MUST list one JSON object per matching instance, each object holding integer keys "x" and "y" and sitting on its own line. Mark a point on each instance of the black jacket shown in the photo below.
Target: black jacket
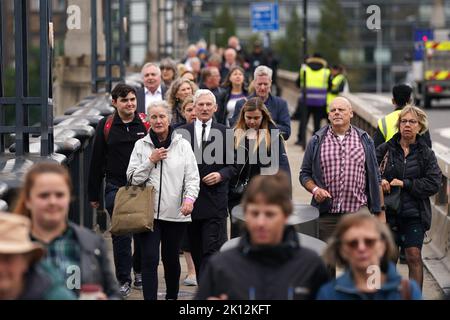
{"x": 222, "y": 113}
{"x": 111, "y": 157}
{"x": 140, "y": 96}
{"x": 286, "y": 271}
{"x": 212, "y": 200}
{"x": 278, "y": 109}
{"x": 255, "y": 168}
{"x": 419, "y": 172}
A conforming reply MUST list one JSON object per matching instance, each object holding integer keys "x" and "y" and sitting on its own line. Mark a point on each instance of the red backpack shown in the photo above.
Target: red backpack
{"x": 110, "y": 119}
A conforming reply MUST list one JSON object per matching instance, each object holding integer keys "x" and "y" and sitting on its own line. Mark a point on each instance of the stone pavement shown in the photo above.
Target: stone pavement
{"x": 295, "y": 154}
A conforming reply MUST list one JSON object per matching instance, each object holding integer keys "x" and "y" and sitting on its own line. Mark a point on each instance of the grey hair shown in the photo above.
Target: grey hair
{"x": 263, "y": 71}
{"x": 204, "y": 92}
{"x": 150, "y": 64}
{"x": 163, "y": 104}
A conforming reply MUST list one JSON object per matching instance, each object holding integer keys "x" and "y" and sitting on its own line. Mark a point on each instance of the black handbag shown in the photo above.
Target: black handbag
{"x": 239, "y": 188}
{"x": 392, "y": 200}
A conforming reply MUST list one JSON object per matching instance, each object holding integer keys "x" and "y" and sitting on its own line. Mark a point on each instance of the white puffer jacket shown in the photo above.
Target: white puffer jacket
{"x": 173, "y": 178}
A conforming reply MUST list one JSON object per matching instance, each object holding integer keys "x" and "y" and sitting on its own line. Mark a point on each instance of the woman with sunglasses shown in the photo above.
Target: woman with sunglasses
{"x": 410, "y": 176}
{"x": 364, "y": 247}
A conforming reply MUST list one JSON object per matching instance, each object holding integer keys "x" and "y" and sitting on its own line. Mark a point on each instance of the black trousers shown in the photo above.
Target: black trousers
{"x": 123, "y": 259}
{"x": 207, "y": 237}
{"x": 169, "y": 235}
{"x": 318, "y": 113}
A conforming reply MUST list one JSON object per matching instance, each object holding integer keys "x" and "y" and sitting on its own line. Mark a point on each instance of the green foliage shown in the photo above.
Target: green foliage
{"x": 224, "y": 26}
{"x": 289, "y": 48}
{"x": 34, "y": 89}
{"x": 332, "y": 32}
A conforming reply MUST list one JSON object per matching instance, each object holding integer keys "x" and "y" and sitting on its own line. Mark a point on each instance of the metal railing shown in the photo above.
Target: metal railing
{"x": 115, "y": 50}
{"x": 22, "y": 101}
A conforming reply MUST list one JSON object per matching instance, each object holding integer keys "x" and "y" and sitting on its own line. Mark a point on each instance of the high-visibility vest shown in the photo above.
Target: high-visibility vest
{"x": 388, "y": 125}
{"x": 316, "y": 86}
{"x": 335, "y": 83}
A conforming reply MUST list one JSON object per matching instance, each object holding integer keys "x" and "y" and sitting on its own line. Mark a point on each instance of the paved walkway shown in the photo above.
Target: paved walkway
{"x": 295, "y": 154}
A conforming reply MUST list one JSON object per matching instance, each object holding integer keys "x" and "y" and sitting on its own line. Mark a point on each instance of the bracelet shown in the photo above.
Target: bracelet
{"x": 314, "y": 190}
{"x": 189, "y": 200}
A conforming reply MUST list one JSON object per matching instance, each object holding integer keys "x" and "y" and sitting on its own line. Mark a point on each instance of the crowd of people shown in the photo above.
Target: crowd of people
{"x": 207, "y": 141}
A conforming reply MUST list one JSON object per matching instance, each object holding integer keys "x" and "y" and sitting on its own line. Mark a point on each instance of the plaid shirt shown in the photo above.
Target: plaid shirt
{"x": 344, "y": 172}
{"x": 62, "y": 252}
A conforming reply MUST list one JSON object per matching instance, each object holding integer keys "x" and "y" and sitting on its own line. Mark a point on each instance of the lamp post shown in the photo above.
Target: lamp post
{"x": 196, "y": 25}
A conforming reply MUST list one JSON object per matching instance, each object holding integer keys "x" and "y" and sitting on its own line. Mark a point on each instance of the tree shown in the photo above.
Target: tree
{"x": 332, "y": 31}
{"x": 224, "y": 26}
{"x": 289, "y": 47}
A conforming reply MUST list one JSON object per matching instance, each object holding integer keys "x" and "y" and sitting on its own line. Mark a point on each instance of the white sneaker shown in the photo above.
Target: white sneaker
{"x": 190, "y": 282}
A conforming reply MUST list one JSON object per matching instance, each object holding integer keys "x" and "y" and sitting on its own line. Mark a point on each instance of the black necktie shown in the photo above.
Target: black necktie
{"x": 203, "y": 135}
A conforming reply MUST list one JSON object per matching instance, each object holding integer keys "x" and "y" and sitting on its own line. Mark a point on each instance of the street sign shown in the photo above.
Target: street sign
{"x": 264, "y": 16}
{"x": 421, "y": 36}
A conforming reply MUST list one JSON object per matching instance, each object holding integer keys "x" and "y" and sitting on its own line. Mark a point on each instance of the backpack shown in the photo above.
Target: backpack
{"x": 109, "y": 121}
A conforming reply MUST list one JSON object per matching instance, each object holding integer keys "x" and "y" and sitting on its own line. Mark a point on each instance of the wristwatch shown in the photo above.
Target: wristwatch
{"x": 383, "y": 208}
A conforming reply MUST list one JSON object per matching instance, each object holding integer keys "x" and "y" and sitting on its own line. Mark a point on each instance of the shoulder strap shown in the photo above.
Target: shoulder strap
{"x": 384, "y": 162}
{"x": 143, "y": 118}
{"x": 109, "y": 121}
{"x": 107, "y": 126}
{"x": 405, "y": 289}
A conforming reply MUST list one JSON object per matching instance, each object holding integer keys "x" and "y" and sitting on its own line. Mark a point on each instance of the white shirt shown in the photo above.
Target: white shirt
{"x": 198, "y": 131}
{"x": 151, "y": 97}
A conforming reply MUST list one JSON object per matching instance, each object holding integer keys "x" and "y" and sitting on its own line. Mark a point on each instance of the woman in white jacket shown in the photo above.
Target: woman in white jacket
{"x": 165, "y": 161}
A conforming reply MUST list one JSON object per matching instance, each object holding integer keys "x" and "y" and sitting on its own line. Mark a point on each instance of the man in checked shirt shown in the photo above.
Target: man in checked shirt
{"x": 340, "y": 170}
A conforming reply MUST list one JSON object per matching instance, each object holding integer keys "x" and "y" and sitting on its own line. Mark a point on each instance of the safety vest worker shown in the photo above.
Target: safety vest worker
{"x": 336, "y": 85}
{"x": 316, "y": 84}
{"x": 388, "y": 125}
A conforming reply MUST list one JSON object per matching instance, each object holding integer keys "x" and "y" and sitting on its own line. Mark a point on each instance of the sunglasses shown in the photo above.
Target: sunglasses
{"x": 368, "y": 243}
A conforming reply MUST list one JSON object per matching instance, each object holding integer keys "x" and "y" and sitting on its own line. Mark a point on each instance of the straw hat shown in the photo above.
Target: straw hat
{"x": 15, "y": 236}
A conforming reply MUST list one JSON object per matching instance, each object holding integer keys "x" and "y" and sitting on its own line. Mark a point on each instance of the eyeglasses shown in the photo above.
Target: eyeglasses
{"x": 368, "y": 243}
{"x": 411, "y": 121}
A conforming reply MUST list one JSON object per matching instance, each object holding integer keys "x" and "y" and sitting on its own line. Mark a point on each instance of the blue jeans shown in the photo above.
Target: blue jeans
{"x": 123, "y": 260}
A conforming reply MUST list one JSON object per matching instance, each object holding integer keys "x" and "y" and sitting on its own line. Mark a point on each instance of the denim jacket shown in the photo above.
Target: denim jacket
{"x": 343, "y": 288}
{"x": 311, "y": 169}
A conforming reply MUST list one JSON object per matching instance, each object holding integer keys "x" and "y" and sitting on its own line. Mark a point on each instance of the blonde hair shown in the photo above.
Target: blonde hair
{"x": 187, "y": 101}
{"x": 174, "y": 87}
{"x": 418, "y": 113}
{"x": 332, "y": 254}
{"x": 240, "y": 128}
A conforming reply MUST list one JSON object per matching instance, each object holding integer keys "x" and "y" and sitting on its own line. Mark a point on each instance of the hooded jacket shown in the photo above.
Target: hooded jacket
{"x": 174, "y": 178}
{"x": 286, "y": 271}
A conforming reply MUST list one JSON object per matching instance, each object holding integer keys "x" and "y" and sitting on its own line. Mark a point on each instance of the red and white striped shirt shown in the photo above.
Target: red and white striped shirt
{"x": 344, "y": 172}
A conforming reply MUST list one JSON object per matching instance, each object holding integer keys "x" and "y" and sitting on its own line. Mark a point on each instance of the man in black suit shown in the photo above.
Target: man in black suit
{"x": 153, "y": 90}
{"x": 208, "y": 232}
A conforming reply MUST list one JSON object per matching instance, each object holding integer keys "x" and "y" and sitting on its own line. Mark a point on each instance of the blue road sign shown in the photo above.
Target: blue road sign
{"x": 264, "y": 16}
{"x": 420, "y": 36}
